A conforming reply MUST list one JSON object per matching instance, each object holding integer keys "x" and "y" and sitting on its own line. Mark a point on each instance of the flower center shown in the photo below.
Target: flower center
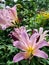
{"x": 30, "y": 50}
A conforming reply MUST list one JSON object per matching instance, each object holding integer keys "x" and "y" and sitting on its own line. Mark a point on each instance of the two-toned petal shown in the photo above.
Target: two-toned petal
{"x": 18, "y": 57}
{"x": 20, "y": 45}
{"x": 41, "y": 54}
{"x": 34, "y": 38}
{"x": 42, "y": 44}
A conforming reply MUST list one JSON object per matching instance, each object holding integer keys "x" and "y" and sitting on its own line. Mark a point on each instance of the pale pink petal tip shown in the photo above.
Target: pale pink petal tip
{"x": 41, "y": 54}
{"x": 18, "y": 57}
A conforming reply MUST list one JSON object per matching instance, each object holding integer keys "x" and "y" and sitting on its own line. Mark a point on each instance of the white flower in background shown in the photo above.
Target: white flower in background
{"x": 7, "y": 7}
{"x": 2, "y": 0}
{"x": 15, "y": 0}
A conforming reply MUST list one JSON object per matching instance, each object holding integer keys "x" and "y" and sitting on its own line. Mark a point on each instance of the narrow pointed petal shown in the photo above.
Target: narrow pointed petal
{"x": 14, "y": 12}
{"x": 22, "y": 35}
{"x": 14, "y": 8}
{"x": 15, "y": 35}
{"x": 33, "y": 38}
{"x": 43, "y": 36}
{"x": 35, "y": 30}
{"x": 40, "y": 30}
{"x": 42, "y": 44}
{"x": 18, "y": 57}
{"x": 45, "y": 32}
{"x": 41, "y": 54}
{"x": 20, "y": 45}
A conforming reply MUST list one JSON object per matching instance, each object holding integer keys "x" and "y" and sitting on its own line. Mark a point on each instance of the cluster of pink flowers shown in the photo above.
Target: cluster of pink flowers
{"x": 29, "y": 45}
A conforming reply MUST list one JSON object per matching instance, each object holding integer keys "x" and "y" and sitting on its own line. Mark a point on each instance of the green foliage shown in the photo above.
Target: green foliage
{"x": 27, "y": 13}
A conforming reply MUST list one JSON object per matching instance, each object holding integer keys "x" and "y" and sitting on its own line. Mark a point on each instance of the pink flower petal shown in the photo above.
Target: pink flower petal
{"x": 41, "y": 54}
{"x": 42, "y": 44}
{"x": 7, "y": 16}
{"x": 33, "y": 38}
{"x": 2, "y": 21}
{"x": 35, "y": 31}
{"x": 40, "y": 30}
{"x": 14, "y": 13}
{"x": 15, "y": 34}
{"x": 18, "y": 57}
{"x": 22, "y": 35}
{"x": 20, "y": 45}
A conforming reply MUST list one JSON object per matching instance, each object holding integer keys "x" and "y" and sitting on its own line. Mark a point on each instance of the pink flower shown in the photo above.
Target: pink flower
{"x": 28, "y": 45}
{"x": 42, "y": 33}
{"x": 8, "y": 16}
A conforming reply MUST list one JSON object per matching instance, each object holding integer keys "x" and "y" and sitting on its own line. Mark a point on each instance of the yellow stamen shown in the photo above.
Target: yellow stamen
{"x": 30, "y": 50}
